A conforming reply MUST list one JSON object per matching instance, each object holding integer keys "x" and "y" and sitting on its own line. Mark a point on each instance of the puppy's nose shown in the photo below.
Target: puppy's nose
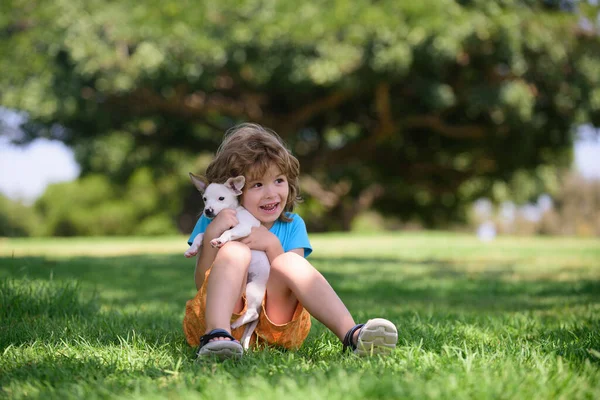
{"x": 209, "y": 213}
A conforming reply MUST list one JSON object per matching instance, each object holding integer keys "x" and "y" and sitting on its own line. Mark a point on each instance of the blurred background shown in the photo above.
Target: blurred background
{"x": 466, "y": 115}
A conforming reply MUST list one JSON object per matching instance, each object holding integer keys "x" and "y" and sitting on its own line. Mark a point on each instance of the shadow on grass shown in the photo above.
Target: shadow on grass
{"x": 60, "y": 372}
{"x": 165, "y": 282}
{"x": 119, "y": 281}
{"x": 492, "y": 287}
{"x": 98, "y": 300}
{"x": 445, "y": 305}
{"x": 473, "y": 295}
{"x": 147, "y": 295}
{"x": 580, "y": 342}
{"x": 59, "y": 313}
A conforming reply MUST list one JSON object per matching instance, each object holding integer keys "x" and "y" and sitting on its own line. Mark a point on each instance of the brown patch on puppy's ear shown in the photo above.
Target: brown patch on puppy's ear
{"x": 199, "y": 182}
{"x": 236, "y": 184}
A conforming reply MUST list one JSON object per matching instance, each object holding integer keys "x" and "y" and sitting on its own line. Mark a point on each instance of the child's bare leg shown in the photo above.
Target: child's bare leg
{"x": 294, "y": 279}
{"x": 225, "y": 285}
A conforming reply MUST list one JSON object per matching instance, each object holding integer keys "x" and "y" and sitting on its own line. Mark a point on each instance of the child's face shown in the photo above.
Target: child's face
{"x": 266, "y": 196}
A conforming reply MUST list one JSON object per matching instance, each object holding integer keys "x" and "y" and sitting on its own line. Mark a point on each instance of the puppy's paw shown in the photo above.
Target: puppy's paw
{"x": 191, "y": 252}
{"x": 236, "y": 324}
{"x": 250, "y": 316}
{"x": 217, "y": 243}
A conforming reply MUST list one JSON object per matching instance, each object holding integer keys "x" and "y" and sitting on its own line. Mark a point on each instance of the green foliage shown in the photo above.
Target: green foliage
{"x": 17, "y": 219}
{"x": 424, "y": 97}
{"x": 515, "y": 318}
{"x": 94, "y": 206}
{"x": 525, "y": 186}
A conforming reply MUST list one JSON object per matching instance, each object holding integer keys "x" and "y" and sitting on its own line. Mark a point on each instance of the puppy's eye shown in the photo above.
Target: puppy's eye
{"x": 204, "y": 198}
{"x": 221, "y": 198}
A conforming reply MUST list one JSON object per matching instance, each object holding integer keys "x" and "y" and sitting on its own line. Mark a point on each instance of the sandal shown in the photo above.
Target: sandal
{"x": 221, "y": 349}
{"x": 377, "y": 336}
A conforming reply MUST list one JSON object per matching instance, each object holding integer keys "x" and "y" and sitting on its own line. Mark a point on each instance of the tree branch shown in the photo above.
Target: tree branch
{"x": 386, "y": 126}
{"x": 328, "y": 197}
{"x": 246, "y": 105}
{"x": 436, "y": 124}
{"x": 295, "y": 119}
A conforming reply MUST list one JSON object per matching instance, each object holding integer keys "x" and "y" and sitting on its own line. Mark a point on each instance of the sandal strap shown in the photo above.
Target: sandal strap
{"x": 215, "y": 333}
{"x": 347, "y": 342}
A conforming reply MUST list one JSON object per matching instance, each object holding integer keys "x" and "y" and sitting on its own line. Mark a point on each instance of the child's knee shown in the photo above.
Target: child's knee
{"x": 284, "y": 260}
{"x": 235, "y": 252}
{"x": 289, "y": 268}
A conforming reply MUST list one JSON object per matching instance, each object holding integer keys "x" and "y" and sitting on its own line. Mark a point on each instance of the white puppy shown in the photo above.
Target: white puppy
{"x": 218, "y": 197}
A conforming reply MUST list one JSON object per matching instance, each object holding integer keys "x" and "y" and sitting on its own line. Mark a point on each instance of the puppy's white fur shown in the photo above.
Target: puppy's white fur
{"x": 218, "y": 197}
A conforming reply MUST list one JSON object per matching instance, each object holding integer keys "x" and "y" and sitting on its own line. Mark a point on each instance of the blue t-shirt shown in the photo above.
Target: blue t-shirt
{"x": 292, "y": 235}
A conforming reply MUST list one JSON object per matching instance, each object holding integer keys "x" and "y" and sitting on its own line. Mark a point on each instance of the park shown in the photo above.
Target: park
{"x": 405, "y": 117}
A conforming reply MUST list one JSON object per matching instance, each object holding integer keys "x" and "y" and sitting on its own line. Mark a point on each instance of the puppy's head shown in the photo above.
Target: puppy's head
{"x": 219, "y": 196}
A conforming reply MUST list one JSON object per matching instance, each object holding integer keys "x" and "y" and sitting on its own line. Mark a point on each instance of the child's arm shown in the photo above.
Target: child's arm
{"x": 204, "y": 260}
{"x": 263, "y": 240}
{"x": 222, "y": 222}
{"x": 300, "y": 252}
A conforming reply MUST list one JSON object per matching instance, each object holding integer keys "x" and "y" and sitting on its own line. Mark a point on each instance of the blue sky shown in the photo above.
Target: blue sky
{"x": 26, "y": 171}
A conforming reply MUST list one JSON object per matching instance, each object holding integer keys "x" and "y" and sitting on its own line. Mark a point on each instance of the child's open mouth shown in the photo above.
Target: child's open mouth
{"x": 269, "y": 208}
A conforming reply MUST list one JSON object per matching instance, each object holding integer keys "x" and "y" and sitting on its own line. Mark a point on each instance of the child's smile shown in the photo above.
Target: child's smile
{"x": 270, "y": 208}
{"x": 266, "y": 196}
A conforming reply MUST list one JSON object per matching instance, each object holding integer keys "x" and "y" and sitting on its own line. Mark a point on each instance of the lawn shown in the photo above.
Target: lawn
{"x": 517, "y": 318}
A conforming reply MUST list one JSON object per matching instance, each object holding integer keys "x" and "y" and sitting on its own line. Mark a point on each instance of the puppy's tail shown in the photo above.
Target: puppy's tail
{"x": 248, "y": 331}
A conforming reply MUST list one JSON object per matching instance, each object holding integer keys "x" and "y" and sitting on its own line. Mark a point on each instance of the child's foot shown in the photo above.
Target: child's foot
{"x": 377, "y": 336}
{"x": 221, "y": 344}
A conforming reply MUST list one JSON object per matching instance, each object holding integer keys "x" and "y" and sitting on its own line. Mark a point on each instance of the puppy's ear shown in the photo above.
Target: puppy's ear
{"x": 199, "y": 182}
{"x": 236, "y": 184}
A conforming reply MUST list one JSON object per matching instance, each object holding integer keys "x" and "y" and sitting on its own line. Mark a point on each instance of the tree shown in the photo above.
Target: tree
{"x": 414, "y": 108}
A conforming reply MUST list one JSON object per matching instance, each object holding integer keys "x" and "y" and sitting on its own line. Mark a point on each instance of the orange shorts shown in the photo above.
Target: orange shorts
{"x": 290, "y": 335}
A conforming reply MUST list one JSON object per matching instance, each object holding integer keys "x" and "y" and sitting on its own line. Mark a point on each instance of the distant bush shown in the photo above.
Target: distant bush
{"x": 17, "y": 219}
{"x": 94, "y": 206}
{"x": 574, "y": 209}
{"x": 157, "y": 225}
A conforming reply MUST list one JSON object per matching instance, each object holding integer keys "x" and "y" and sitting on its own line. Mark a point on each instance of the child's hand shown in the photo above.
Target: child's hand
{"x": 224, "y": 221}
{"x": 261, "y": 239}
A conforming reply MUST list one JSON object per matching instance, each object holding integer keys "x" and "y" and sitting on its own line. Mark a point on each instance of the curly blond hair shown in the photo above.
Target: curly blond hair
{"x": 250, "y": 150}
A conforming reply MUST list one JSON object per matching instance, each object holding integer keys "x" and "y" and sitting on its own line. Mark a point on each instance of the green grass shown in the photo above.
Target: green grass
{"x": 517, "y": 318}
